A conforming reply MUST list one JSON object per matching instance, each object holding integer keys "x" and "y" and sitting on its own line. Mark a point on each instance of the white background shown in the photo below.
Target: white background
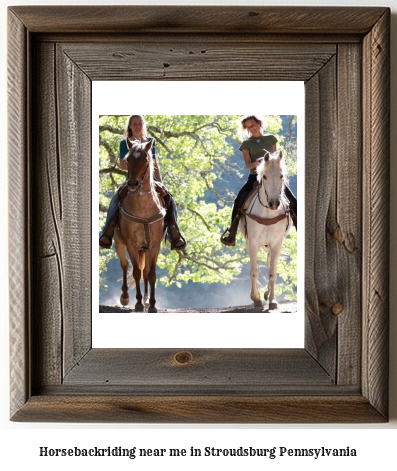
{"x": 252, "y": 330}
{"x": 375, "y": 444}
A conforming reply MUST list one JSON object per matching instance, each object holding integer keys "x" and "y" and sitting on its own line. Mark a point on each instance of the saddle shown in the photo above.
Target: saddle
{"x": 250, "y": 200}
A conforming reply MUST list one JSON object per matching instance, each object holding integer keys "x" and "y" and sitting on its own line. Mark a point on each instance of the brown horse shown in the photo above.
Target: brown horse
{"x": 141, "y": 226}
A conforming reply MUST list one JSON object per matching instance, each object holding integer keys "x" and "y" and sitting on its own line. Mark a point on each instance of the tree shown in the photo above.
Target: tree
{"x": 201, "y": 166}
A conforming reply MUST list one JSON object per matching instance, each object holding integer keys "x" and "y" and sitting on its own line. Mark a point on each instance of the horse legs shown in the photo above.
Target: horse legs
{"x": 120, "y": 249}
{"x": 272, "y": 260}
{"x": 151, "y": 277}
{"x": 152, "y": 281}
{"x": 136, "y": 273}
{"x": 146, "y": 300}
{"x": 254, "y": 271}
{"x": 137, "y": 265}
{"x": 146, "y": 292}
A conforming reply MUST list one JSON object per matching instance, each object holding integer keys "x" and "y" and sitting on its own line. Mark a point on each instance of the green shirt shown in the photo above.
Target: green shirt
{"x": 257, "y": 146}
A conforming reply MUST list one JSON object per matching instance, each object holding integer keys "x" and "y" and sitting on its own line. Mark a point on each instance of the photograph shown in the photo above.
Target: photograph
{"x": 204, "y": 205}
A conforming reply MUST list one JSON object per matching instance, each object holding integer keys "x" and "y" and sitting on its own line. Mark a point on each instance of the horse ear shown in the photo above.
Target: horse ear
{"x": 280, "y": 155}
{"x": 266, "y": 156}
{"x": 148, "y": 145}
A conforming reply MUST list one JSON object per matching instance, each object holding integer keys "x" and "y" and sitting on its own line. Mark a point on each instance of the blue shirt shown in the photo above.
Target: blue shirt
{"x": 123, "y": 151}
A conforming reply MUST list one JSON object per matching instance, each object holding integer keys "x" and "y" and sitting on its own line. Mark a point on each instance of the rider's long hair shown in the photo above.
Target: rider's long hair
{"x": 128, "y": 130}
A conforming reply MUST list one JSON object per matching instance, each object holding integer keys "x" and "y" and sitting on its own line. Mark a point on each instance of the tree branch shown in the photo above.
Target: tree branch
{"x": 176, "y": 267}
{"x": 199, "y": 216}
{"x": 113, "y": 157}
{"x": 112, "y": 129}
{"x": 111, "y": 170}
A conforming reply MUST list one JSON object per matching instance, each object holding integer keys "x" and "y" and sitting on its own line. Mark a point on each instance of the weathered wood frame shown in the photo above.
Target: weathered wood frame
{"x": 342, "y": 54}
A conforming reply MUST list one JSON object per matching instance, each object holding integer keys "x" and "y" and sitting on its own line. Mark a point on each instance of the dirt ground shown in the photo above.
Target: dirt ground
{"x": 287, "y": 307}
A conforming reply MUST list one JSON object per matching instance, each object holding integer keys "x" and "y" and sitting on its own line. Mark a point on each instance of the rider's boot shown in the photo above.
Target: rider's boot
{"x": 106, "y": 240}
{"x": 231, "y": 238}
{"x": 173, "y": 233}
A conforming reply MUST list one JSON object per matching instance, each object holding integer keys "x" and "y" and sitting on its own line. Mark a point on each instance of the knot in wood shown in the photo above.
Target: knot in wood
{"x": 183, "y": 358}
{"x": 338, "y": 235}
{"x": 337, "y": 308}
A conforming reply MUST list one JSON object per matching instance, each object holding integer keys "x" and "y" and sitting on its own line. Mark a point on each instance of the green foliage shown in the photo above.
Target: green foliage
{"x": 194, "y": 154}
{"x": 287, "y": 268}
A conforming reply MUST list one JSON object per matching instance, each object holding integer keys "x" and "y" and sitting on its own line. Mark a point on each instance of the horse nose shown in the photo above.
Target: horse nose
{"x": 274, "y": 204}
{"x": 133, "y": 184}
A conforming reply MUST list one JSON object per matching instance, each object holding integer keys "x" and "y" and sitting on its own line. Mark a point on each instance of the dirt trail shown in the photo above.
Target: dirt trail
{"x": 286, "y": 307}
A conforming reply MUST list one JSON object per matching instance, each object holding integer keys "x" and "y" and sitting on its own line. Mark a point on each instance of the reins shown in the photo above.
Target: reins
{"x": 138, "y": 191}
{"x": 255, "y": 195}
{"x": 146, "y": 222}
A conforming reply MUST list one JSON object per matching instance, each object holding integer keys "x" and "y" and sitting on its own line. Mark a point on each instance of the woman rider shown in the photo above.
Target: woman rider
{"x": 136, "y": 130}
{"x": 253, "y": 149}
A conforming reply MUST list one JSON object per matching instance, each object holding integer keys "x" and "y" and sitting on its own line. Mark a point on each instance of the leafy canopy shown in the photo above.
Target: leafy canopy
{"x": 203, "y": 169}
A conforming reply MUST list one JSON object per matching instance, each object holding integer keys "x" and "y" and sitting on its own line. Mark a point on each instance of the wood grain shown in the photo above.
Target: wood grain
{"x": 210, "y": 59}
{"x": 341, "y": 375}
{"x": 320, "y": 162}
{"x": 196, "y": 19}
{"x": 346, "y": 228}
{"x": 47, "y": 330}
{"x": 74, "y": 174}
{"x": 199, "y": 409}
{"x": 376, "y": 145}
{"x": 226, "y": 369}
{"x": 62, "y": 223}
{"x": 19, "y": 230}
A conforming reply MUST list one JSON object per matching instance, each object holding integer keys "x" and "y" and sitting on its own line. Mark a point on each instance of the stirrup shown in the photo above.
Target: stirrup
{"x": 228, "y": 240}
{"x": 105, "y": 242}
{"x": 173, "y": 240}
{"x": 178, "y": 247}
{"x": 106, "y": 239}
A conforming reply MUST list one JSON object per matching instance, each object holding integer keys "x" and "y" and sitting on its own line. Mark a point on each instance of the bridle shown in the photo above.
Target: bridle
{"x": 138, "y": 190}
{"x": 267, "y": 196}
{"x": 146, "y": 222}
{"x": 266, "y": 222}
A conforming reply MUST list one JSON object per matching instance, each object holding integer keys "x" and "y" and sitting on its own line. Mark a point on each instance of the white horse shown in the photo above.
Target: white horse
{"x": 266, "y": 222}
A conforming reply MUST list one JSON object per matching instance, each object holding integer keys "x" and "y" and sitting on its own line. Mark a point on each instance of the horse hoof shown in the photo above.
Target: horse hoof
{"x": 124, "y": 301}
{"x": 258, "y": 303}
{"x": 266, "y": 295}
{"x": 152, "y": 309}
{"x": 273, "y": 306}
{"x": 139, "y": 307}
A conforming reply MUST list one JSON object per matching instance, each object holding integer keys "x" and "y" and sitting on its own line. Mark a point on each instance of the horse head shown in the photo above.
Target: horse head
{"x": 140, "y": 164}
{"x": 271, "y": 172}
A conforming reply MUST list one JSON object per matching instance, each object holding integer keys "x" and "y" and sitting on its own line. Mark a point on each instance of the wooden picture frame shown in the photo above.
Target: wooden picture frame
{"x": 342, "y": 54}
